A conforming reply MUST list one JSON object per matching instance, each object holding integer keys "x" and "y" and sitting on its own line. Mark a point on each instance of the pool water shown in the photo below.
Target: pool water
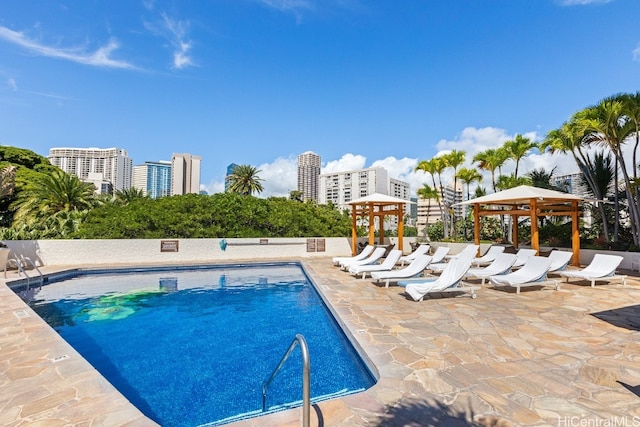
{"x": 193, "y": 347}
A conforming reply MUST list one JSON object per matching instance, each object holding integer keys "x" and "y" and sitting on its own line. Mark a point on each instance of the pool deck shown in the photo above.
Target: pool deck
{"x": 540, "y": 358}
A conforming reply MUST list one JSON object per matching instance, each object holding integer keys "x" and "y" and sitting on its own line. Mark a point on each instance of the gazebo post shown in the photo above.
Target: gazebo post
{"x": 535, "y": 237}
{"x": 476, "y": 223}
{"x": 400, "y": 226}
{"x": 372, "y": 225}
{"x": 514, "y": 230}
{"x": 354, "y": 231}
{"x": 575, "y": 233}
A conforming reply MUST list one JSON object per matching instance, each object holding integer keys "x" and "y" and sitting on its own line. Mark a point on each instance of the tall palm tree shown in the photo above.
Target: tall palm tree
{"x": 469, "y": 176}
{"x": 490, "y": 160}
{"x": 569, "y": 138}
{"x": 541, "y": 178}
{"x": 518, "y": 148}
{"x": 454, "y": 160}
{"x": 245, "y": 180}
{"x": 610, "y": 126}
{"x": 58, "y": 192}
{"x": 436, "y": 166}
{"x": 428, "y": 193}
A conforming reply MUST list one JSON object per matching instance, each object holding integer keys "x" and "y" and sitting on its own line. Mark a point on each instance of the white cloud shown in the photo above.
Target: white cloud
{"x": 12, "y": 84}
{"x": 347, "y": 162}
{"x": 295, "y": 7}
{"x": 280, "y": 177}
{"x": 101, "y": 57}
{"x": 175, "y": 32}
{"x": 636, "y": 53}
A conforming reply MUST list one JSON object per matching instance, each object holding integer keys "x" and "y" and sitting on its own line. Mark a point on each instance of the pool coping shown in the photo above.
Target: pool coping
{"x": 419, "y": 351}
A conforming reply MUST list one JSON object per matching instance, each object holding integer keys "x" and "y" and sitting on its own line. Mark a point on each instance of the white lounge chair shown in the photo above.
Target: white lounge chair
{"x": 602, "y": 268}
{"x": 414, "y": 269}
{"x": 375, "y": 256}
{"x": 532, "y": 273}
{"x": 420, "y": 250}
{"x": 448, "y": 281}
{"x": 522, "y": 256}
{"x": 489, "y": 256}
{"x": 501, "y": 265}
{"x": 559, "y": 261}
{"x": 469, "y": 251}
{"x": 388, "y": 263}
{"x": 366, "y": 251}
{"x": 439, "y": 254}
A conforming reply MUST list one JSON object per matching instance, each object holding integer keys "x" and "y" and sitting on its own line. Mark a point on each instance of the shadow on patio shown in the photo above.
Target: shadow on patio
{"x": 623, "y": 317}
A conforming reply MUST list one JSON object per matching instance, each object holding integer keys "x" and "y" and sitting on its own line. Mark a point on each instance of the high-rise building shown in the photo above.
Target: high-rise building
{"x": 185, "y": 174}
{"x": 153, "y": 178}
{"x": 230, "y": 170}
{"x": 113, "y": 164}
{"x": 309, "y": 164}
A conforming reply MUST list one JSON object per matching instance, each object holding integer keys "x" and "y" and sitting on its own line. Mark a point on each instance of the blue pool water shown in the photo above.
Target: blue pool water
{"x": 192, "y": 347}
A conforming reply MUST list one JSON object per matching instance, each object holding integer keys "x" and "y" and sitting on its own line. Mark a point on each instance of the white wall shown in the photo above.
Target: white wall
{"x": 146, "y": 251}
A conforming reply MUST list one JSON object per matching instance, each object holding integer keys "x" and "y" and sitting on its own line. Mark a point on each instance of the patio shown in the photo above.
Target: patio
{"x": 543, "y": 357}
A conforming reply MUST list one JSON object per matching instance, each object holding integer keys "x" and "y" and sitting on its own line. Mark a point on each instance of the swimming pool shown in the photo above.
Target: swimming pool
{"x": 193, "y": 347}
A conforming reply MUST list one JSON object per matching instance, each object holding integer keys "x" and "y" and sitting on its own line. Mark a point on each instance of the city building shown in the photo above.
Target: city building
{"x": 230, "y": 170}
{"x": 309, "y": 164}
{"x": 185, "y": 174}
{"x": 113, "y": 164}
{"x": 340, "y": 188}
{"x": 153, "y": 178}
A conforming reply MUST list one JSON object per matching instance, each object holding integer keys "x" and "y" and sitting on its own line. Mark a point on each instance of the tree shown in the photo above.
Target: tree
{"x": 541, "y": 178}
{"x": 608, "y": 124}
{"x": 490, "y": 160}
{"x": 46, "y": 198}
{"x": 127, "y": 195}
{"x": 295, "y": 195}
{"x": 428, "y": 193}
{"x": 469, "y": 176}
{"x": 518, "y": 148}
{"x": 245, "y": 180}
{"x": 436, "y": 166}
{"x": 454, "y": 160}
{"x": 7, "y": 181}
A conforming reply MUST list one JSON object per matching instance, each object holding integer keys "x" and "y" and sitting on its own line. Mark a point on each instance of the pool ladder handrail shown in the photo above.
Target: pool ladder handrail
{"x": 20, "y": 264}
{"x": 306, "y": 375}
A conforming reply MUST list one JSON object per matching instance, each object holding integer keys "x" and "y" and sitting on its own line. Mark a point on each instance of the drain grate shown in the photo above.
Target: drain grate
{"x": 21, "y": 314}
{"x": 60, "y": 358}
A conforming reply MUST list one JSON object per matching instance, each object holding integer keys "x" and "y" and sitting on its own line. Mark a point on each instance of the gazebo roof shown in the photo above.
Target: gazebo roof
{"x": 522, "y": 195}
{"x": 378, "y": 199}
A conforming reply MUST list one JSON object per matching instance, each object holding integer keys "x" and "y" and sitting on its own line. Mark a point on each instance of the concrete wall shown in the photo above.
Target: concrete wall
{"x": 148, "y": 251}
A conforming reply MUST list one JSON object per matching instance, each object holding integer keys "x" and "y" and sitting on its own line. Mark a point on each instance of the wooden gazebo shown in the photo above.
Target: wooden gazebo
{"x": 376, "y": 206}
{"x": 533, "y": 202}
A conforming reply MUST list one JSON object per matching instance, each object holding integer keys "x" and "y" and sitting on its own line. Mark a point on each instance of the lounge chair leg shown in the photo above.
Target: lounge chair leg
{"x": 517, "y": 290}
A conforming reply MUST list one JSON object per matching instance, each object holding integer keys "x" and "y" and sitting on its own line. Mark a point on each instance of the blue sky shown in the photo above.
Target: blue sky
{"x": 360, "y": 82}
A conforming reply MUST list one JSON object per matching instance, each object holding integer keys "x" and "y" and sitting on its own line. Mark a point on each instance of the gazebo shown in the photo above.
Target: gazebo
{"x": 533, "y": 202}
{"x": 373, "y": 206}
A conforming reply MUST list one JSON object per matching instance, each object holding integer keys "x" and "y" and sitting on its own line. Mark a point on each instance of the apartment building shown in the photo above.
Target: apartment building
{"x": 309, "y": 164}
{"x": 113, "y": 164}
{"x": 153, "y": 178}
{"x": 185, "y": 174}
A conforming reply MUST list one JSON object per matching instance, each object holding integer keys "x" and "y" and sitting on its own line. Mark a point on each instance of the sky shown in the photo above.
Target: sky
{"x": 362, "y": 83}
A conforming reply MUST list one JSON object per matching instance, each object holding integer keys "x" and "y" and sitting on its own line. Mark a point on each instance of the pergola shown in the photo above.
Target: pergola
{"x": 533, "y": 202}
{"x": 376, "y": 206}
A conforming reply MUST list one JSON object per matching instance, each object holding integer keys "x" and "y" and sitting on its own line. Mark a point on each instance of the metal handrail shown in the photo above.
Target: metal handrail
{"x": 24, "y": 258}
{"x": 306, "y": 375}
{"x": 18, "y": 264}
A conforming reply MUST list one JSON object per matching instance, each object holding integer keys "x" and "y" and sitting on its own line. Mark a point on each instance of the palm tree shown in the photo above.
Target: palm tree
{"x": 245, "y": 180}
{"x": 454, "y": 160}
{"x": 510, "y": 181}
{"x": 541, "y": 178}
{"x": 128, "y": 195}
{"x": 58, "y": 192}
{"x": 518, "y": 148}
{"x": 490, "y": 160}
{"x": 428, "y": 194}
{"x": 469, "y": 176}
{"x": 610, "y": 126}
{"x": 569, "y": 138}
{"x": 434, "y": 167}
